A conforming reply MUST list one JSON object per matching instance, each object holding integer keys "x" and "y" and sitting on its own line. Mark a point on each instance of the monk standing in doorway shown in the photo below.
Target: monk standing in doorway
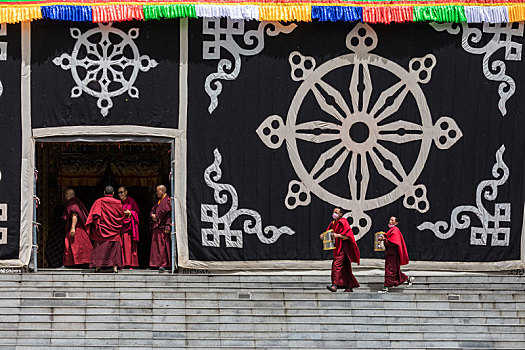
{"x": 78, "y": 246}
{"x": 396, "y": 255}
{"x": 161, "y": 228}
{"x": 106, "y": 217}
{"x": 129, "y": 232}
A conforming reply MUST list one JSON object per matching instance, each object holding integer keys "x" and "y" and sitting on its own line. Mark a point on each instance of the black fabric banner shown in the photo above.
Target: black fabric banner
{"x": 11, "y": 141}
{"x": 285, "y": 123}
{"x": 108, "y": 74}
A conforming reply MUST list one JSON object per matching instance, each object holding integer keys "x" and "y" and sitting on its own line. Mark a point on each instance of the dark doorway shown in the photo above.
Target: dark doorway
{"x": 88, "y": 167}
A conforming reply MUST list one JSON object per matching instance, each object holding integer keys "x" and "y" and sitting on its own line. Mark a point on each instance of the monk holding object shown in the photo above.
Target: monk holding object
{"x": 345, "y": 252}
{"x": 395, "y": 255}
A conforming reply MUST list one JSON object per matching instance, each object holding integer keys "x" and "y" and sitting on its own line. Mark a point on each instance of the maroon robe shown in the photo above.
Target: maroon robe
{"x": 129, "y": 233}
{"x": 395, "y": 255}
{"x": 160, "y": 255}
{"x": 78, "y": 248}
{"x": 105, "y": 217}
{"x": 345, "y": 252}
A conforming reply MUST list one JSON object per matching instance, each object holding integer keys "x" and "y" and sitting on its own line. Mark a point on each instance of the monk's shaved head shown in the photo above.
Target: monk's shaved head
{"x": 70, "y": 193}
{"x": 160, "y": 192}
{"x": 394, "y": 220}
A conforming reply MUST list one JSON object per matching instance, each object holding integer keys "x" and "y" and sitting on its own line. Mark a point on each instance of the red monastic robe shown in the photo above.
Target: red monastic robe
{"x": 396, "y": 255}
{"x": 160, "y": 255}
{"x": 345, "y": 252}
{"x": 78, "y": 248}
{"x": 106, "y": 217}
{"x": 129, "y": 233}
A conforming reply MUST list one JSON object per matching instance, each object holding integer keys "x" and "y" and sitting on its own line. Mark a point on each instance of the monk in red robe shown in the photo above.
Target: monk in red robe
{"x": 129, "y": 233}
{"x": 160, "y": 255}
{"x": 106, "y": 217}
{"x": 345, "y": 252}
{"x": 78, "y": 246}
{"x": 395, "y": 255}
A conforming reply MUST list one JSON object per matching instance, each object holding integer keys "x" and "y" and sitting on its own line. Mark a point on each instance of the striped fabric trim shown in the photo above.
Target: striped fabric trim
{"x": 370, "y": 11}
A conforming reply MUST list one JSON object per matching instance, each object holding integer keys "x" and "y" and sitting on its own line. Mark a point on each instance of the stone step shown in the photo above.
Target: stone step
{"x": 320, "y": 277}
{"x": 230, "y": 344}
{"x": 114, "y": 314}
{"x": 340, "y": 334}
{"x": 391, "y": 302}
{"x": 398, "y": 295}
{"x": 215, "y": 338}
{"x": 79, "y": 315}
{"x": 106, "y": 286}
{"x": 284, "y": 280}
{"x": 254, "y": 279}
{"x": 408, "y": 342}
{"x": 77, "y": 326}
{"x": 287, "y": 298}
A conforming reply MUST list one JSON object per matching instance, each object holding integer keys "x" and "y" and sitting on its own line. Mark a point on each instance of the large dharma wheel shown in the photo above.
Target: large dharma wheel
{"x": 378, "y": 125}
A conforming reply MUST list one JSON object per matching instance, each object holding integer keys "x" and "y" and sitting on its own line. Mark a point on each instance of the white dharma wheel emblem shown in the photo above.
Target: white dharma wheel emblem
{"x": 105, "y": 63}
{"x": 360, "y": 130}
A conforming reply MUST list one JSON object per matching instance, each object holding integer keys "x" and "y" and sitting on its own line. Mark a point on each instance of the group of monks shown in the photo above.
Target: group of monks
{"x": 107, "y": 235}
{"x": 346, "y": 251}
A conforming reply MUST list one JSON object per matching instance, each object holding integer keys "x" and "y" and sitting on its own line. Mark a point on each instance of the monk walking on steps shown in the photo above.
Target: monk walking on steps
{"x": 345, "y": 252}
{"x": 106, "y": 217}
{"x": 129, "y": 232}
{"x": 161, "y": 228}
{"x": 395, "y": 255}
{"x": 78, "y": 246}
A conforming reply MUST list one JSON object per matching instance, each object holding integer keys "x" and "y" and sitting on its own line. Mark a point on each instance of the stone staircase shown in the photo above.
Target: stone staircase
{"x": 74, "y": 309}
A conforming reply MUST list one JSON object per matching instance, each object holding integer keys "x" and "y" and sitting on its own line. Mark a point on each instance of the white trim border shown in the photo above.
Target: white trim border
{"x": 365, "y": 264}
{"x": 113, "y": 130}
{"x": 181, "y": 217}
{"x": 28, "y": 151}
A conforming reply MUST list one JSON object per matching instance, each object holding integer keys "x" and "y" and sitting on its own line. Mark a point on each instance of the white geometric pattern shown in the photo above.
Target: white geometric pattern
{"x": 3, "y": 218}
{"x": 223, "y": 39}
{"x": 502, "y": 35}
{"x": 490, "y": 224}
{"x": 3, "y": 206}
{"x": 383, "y": 126}
{"x": 3, "y": 52}
{"x": 105, "y": 63}
{"x": 221, "y": 225}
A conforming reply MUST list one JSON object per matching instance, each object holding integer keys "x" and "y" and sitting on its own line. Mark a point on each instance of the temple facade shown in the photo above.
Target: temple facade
{"x": 259, "y": 129}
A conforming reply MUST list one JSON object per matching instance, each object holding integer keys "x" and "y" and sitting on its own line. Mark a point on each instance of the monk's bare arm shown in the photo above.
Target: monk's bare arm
{"x": 74, "y": 219}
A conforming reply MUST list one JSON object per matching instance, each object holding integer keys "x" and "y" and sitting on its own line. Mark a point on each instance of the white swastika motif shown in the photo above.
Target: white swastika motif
{"x": 3, "y": 218}
{"x": 221, "y": 225}
{"x": 490, "y": 224}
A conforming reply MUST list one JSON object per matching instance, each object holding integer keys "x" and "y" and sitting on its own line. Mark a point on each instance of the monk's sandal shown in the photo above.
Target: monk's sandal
{"x": 411, "y": 281}
{"x": 332, "y": 288}
{"x": 384, "y": 290}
